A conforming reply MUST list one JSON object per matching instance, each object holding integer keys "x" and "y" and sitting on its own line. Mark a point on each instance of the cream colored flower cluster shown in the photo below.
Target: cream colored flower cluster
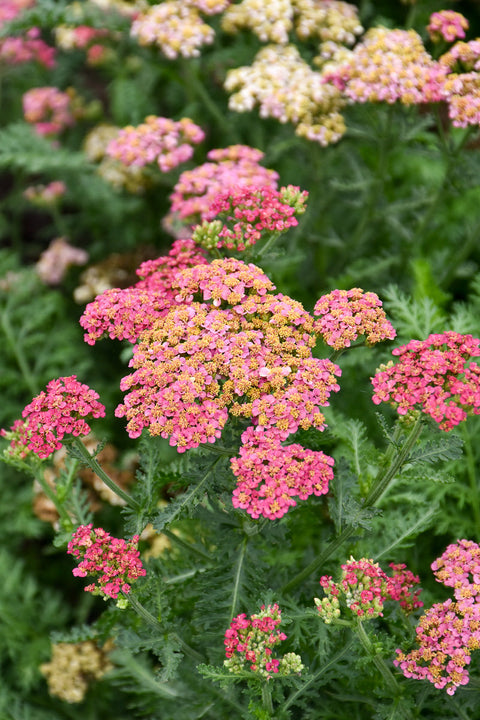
{"x": 286, "y": 88}
{"x": 176, "y": 27}
{"x": 270, "y": 21}
{"x": 73, "y": 666}
{"x": 327, "y": 20}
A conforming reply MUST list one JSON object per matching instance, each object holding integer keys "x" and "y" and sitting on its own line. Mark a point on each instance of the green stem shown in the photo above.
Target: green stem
{"x": 192, "y": 80}
{"x": 238, "y": 575}
{"x": 472, "y": 476}
{"x": 378, "y": 660}
{"x": 267, "y": 698}
{"x": 18, "y": 354}
{"x": 266, "y": 246}
{"x": 395, "y": 458}
{"x": 52, "y": 496}
{"x": 95, "y": 467}
{"x": 154, "y": 623}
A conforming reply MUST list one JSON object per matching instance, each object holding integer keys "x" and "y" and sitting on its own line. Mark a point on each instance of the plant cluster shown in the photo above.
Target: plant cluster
{"x": 262, "y": 204}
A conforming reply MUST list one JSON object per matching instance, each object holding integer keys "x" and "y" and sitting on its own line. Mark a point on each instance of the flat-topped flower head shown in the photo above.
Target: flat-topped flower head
{"x": 48, "y": 109}
{"x": 227, "y": 345}
{"x": 26, "y": 48}
{"x": 114, "y": 563}
{"x": 330, "y": 21}
{"x": 446, "y": 635}
{"x": 400, "y": 588}
{"x": 285, "y": 88}
{"x": 270, "y": 477}
{"x": 56, "y": 412}
{"x": 247, "y": 214}
{"x": 175, "y": 27}
{"x": 390, "y": 66}
{"x": 249, "y": 644}
{"x": 349, "y": 314}
{"x": 434, "y": 376}
{"x": 447, "y": 25}
{"x": 459, "y": 568}
{"x": 159, "y": 140}
{"x": 271, "y": 22}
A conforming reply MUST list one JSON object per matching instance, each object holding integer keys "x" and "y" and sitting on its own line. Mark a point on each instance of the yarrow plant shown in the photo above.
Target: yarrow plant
{"x": 115, "y": 563}
{"x": 48, "y": 109}
{"x": 250, "y": 643}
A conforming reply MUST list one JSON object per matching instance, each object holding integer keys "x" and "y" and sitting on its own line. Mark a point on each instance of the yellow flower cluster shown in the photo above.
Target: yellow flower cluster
{"x": 73, "y": 666}
{"x": 286, "y": 88}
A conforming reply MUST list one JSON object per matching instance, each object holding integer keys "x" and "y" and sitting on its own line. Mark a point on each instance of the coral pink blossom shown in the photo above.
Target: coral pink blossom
{"x": 58, "y": 411}
{"x": 166, "y": 142}
{"x": 114, "y": 562}
{"x": 447, "y": 25}
{"x": 48, "y": 109}
{"x": 270, "y": 476}
{"x": 349, "y": 314}
{"x": 448, "y": 632}
{"x": 434, "y": 376}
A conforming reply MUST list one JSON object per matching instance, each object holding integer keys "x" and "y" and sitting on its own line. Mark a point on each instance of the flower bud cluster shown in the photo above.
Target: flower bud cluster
{"x": 447, "y": 25}
{"x": 73, "y": 666}
{"x": 114, "y": 562}
{"x": 349, "y": 314}
{"x": 166, "y": 142}
{"x": 286, "y": 88}
{"x": 225, "y": 168}
{"x": 175, "y": 26}
{"x": 433, "y": 375}
{"x": 250, "y": 212}
{"x": 249, "y": 643}
{"x": 449, "y": 632}
{"x": 54, "y": 413}
{"x": 363, "y": 589}
{"x": 48, "y": 109}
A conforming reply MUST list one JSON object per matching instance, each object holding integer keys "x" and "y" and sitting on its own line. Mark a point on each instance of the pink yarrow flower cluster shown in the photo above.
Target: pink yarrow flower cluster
{"x": 433, "y": 376}
{"x": 270, "y": 476}
{"x": 349, "y": 314}
{"x": 124, "y": 314}
{"x": 447, "y": 25}
{"x": 54, "y": 262}
{"x": 58, "y": 411}
{"x": 159, "y": 140}
{"x": 45, "y": 195}
{"x": 26, "y": 48}
{"x": 449, "y": 632}
{"x": 230, "y": 167}
{"x": 363, "y": 589}
{"x": 48, "y": 109}
{"x": 114, "y": 562}
{"x": 243, "y": 215}
{"x": 249, "y": 644}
